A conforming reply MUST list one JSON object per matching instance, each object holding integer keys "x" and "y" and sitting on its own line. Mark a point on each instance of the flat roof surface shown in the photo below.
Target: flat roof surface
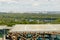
{"x": 35, "y": 27}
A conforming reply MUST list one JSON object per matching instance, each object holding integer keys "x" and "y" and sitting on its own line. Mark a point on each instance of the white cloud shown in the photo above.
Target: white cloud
{"x": 33, "y": 5}
{"x": 5, "y": 0}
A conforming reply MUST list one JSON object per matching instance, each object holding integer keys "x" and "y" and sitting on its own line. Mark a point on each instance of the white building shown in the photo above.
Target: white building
{"x": 36, "y": 31}
{"x": 36, "y": 28}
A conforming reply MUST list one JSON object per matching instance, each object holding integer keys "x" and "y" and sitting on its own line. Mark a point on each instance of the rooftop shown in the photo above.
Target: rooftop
{"x": 35, "y": 27}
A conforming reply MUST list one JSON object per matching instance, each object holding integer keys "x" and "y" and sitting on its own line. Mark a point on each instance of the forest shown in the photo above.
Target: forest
{"x": 10, "y": 19}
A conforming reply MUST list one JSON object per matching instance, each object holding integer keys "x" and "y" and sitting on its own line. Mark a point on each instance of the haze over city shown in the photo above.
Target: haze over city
{"x": 29, "y": 5}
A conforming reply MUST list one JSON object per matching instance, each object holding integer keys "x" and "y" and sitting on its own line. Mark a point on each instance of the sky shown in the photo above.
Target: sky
{"x": 29, "y": 5}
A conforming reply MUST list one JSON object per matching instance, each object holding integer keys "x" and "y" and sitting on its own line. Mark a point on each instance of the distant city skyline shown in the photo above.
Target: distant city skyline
{"x": 29, "y": 5}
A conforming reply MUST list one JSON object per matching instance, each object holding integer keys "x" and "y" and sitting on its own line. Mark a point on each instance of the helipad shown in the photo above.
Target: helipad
{"x": 35, "y": 27}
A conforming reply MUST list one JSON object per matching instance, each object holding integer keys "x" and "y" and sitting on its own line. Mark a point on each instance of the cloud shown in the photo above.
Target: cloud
{"x": 35, "y": 4}
{"x": 5, "y": 0}
{"x": 29, "y": 5}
